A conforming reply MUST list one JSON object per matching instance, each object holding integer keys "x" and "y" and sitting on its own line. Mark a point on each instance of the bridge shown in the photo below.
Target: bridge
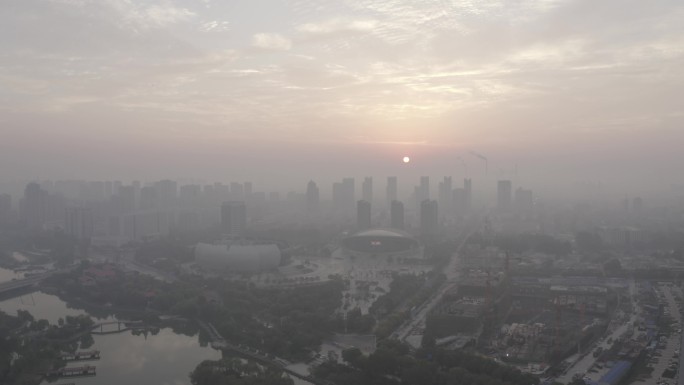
{"x": 17, "y": 284}
{"x": 23, "y": 283}
{"x": 218, "y": 342}
{"x": 121, "y": 326}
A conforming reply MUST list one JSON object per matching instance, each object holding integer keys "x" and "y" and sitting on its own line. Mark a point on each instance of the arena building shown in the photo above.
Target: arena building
{"x": 382, "y": 242}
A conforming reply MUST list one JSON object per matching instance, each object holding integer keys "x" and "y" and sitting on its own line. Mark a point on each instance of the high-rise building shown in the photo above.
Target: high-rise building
{"x": 167, "y": 193}
{"x": 468, "y": 193}
{"x": 363, "y": 215}
{"x": 343, "y": 195}
{"x": 5, "y": 208}
{"x": 34, "y": 206}
{"x": 429, "y": 220}
{"x": 504, "y": 194}
{"x": 425, "y": 187}
{"x": 445, "y": 195}
{"x": 248, "y": 190}
{"x": 348, "y": 193}
{"x": 367, "y": 189}
{"x": 524, "y": 200}
{"x": 148, "y": 198}
{"x": 397, "y": 215}
{"x": 234, "y": 217}
{"x": 391, "y": 189}
{"x": 79, "y": 223}
{"x": 312, "y": 197}
{"x": 237, "y": 191}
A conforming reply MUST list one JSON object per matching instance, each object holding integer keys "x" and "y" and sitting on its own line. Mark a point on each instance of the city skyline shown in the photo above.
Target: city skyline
{"x": 550, "y": 88}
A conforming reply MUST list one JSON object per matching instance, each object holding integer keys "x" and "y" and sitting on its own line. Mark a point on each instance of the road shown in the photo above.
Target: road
{"x": 417, "y": 321}
{"x": 585, "y": 362}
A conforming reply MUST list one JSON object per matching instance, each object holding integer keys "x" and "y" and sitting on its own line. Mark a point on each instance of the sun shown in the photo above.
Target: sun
{"x": 406, "y": 159}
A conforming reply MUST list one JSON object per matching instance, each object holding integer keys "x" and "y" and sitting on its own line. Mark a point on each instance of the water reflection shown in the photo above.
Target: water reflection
{"x": 41, "y": 306}
{"x": 164, "y": 358}
{"x": 7, "y": 275}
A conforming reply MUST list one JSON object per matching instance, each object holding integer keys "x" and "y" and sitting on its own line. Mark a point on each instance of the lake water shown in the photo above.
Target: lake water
{"x": 165, "y": 359}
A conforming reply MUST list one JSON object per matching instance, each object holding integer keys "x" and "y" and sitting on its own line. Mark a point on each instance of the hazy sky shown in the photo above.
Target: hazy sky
{"x": 105, "y": 89}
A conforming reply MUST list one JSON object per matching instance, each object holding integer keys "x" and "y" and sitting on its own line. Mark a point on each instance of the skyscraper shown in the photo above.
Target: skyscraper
{"x": 425, "y": 187}
{"x": 234, "y": 217}
{"x": 391, "y": 189}
{"x": 397, "y": 215}
{"x": 312, "y": 197}
{"x": 34, "y": 206}
{"x": 504, "y": 194}
{"x": 79, "y": 224}
{"x": 445, "y": 195}
{"x": 367, "y": 189}
{"x": 5, "y": 208}
{"x": 524, "y": 200}
{"x": 467, "y": 194}
{"x": 429, "y": 220}
{"x": 363, "y": 215}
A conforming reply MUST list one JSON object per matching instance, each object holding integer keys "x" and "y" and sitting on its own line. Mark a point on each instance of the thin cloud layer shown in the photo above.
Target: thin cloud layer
{"x": 466, "y": 73}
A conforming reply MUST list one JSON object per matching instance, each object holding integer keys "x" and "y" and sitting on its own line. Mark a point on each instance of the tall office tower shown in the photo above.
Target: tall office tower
{"x": 524, "y": 200}
{"x": 274, "y": 196}
{"x": 468, "y": 192}
{"x": 504, "y": 194}
{"x": 429, "y": 220}
{"x": 397, "y": 215}
{"x": 392, "y": 187}
{"x": 237, "y": 191}
{"x": 248, "y": 190}
{"x": 337, "y": 193}
{"x": 108, "y": 189}
{"x": 127, "y": 197}
{"x": 5, "y": 208}
{"x": 167, "y": 193}
{"x": 312, "y": 197}
{"x": 79, "y": 224}
{"x": 367, "y": 189}
{"x": 34, "y": 206}
{"x": 363, "y": 215}
{"x": 190, "y": 194}
{"x": 425, "y": 187}
{"x": 445, "y": 196}
{"x": 234, "y": 217}
{"x": 348, "y": 193}
{"x": 148, "y": 198}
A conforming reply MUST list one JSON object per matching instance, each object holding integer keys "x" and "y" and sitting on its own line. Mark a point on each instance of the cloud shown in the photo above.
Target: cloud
{"x": 214, "y": 26}
{"x": 337, "y": 25}
{"x": 271, "y": 41}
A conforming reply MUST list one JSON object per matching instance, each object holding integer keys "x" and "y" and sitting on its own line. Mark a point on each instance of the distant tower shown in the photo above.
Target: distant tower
{"x": 504, "y": 194}
{"x": 429, "y": 220}
{"x": 367, "y": 189}
{"x": 445, "y": 195}
{"x": 425, "y": 187}
{"x": 34, "y": 206}
{"x": 397, "y": 215}
{"x": 234, "y": 217}
{"x": 79, "y": 226}
{"x": 392, "y": 187}
{"x": 5, "y": 208}
{"x": 468, "y": 198}
{"x": 363, "y": 215}
{"x": 524, "y": 200}
{"x": 312, "y": 197}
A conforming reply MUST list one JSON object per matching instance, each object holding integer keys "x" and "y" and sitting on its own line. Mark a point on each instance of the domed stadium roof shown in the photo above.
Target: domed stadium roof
{"x": 380, "y": 241}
